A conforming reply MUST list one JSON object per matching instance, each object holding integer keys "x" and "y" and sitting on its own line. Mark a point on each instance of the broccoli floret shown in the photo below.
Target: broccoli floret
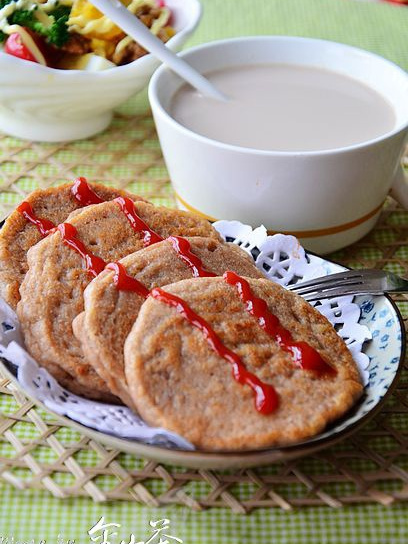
{"x": 3, "y": 3}
{"x": 26, "y": 18}
{"x": 60, "y": 11}
{"x": 56, "y": 33}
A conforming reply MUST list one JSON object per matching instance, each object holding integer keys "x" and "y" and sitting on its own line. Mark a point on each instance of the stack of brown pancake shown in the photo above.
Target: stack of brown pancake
{"x": 124, "y": 301}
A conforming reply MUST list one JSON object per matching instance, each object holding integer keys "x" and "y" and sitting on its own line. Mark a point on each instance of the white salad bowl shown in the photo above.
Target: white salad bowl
{"x": 47, "y": 104}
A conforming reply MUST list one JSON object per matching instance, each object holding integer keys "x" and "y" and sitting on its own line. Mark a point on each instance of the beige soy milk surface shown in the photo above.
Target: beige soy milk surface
{"x": 283, "y": 107}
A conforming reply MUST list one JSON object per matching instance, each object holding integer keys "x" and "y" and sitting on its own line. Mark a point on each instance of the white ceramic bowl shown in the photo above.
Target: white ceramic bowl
{"x": 328, "y": 199}
{"x": 50, "y": 105}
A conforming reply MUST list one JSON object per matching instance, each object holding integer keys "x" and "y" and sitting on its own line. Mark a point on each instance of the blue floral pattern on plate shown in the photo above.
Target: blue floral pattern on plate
{"x": 384, "y": 350}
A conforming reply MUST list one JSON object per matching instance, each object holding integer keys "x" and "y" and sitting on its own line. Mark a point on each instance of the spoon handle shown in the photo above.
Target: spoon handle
{"x": 134, "y": 28}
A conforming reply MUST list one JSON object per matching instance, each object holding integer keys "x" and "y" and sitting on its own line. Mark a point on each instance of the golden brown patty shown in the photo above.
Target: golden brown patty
{"x": 18, "y": 235}
{"x": 178, "y": 381}
{"x": 52, "y": 290}
{"x": 110, "y": 312}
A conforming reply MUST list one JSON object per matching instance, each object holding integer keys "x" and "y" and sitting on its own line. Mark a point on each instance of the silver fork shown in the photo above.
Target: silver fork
{"x": 351, "y": 282}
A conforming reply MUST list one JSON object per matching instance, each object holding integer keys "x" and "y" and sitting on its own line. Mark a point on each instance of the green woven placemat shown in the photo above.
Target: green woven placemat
{"x": 128, "y": 153}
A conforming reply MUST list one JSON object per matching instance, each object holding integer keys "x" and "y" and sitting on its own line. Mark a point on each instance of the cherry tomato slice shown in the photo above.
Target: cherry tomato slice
{"x": 14, "y": 46}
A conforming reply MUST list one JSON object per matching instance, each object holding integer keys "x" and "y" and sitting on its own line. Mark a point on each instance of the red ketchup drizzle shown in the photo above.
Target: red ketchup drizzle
{"x": 183, "y": 249}
{"x": 44, "y": 226}
{"x": 303, "y": 354}
{"x": 84, "y": 194}
{"x": 266, "y": 398}
{"x": 93, "y": 264}
{"x": 124, "y": 282}
{"x": 80, "y": 190}
{"x": 128, "y": 208}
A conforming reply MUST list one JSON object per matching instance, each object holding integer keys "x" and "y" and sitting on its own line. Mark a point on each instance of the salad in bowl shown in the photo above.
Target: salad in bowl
{"x": 64, "y": 66}
{"x": 73, "y": 34}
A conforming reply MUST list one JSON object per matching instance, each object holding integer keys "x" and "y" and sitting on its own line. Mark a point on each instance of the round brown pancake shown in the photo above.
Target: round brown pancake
{"x": 178, "y": 382}
{"x": 110, "y": 313}
{"x": 52, "y": 290}
{"x": 17, "y": 234}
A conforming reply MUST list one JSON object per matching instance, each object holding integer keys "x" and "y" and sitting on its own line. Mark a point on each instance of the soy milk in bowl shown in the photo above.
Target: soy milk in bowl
{"x": 284, "y": 107}
{"x": 309, "y": 142}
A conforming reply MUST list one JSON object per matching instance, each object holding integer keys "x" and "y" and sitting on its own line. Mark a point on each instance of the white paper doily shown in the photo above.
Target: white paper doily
{"x": 279, "y": 257}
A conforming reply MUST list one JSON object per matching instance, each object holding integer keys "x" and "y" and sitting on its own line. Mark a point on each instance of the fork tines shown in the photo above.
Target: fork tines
{"x": 342, "y": 283}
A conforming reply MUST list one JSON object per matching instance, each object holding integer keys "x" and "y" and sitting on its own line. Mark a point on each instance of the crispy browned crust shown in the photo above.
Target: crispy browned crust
{"x": 109, "y": 314}
{"x": 52, "y": 290}
{"x": 18, "y": 235}
{"x": 177, "y": 381}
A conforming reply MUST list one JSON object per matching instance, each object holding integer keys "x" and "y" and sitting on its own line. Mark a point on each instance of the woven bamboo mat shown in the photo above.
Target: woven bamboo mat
{"x": 37, "y": 451}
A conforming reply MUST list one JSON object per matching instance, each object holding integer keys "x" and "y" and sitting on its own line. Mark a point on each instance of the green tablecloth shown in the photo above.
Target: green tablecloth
{"x": 35, "y": 516}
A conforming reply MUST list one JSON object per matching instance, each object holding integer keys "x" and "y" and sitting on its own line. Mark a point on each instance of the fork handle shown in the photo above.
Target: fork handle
{"x": 347, "y": 292}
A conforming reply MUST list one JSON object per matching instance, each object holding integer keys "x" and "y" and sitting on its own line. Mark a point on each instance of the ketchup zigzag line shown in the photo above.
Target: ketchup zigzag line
{"x": 127, "y": 206}
{"x": 124, "y": 282}
{"x": 84, "y": 194}
{"x": 182, "y": 248}
{"x": 303, "y": 355}
{"x": 80, "y": 190}
{"x": 44, "y": 226}
{"x": 94, "y": 264}
{"x": 266, "y": 397}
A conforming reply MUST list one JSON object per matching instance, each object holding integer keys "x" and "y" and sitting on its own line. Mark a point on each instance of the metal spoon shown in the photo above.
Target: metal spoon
{"x": 134, "y": 28}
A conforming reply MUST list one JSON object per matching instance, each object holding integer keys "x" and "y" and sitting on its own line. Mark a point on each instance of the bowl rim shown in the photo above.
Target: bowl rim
{"x": 162, "y": 71}
{"x": 197, "y": 11}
